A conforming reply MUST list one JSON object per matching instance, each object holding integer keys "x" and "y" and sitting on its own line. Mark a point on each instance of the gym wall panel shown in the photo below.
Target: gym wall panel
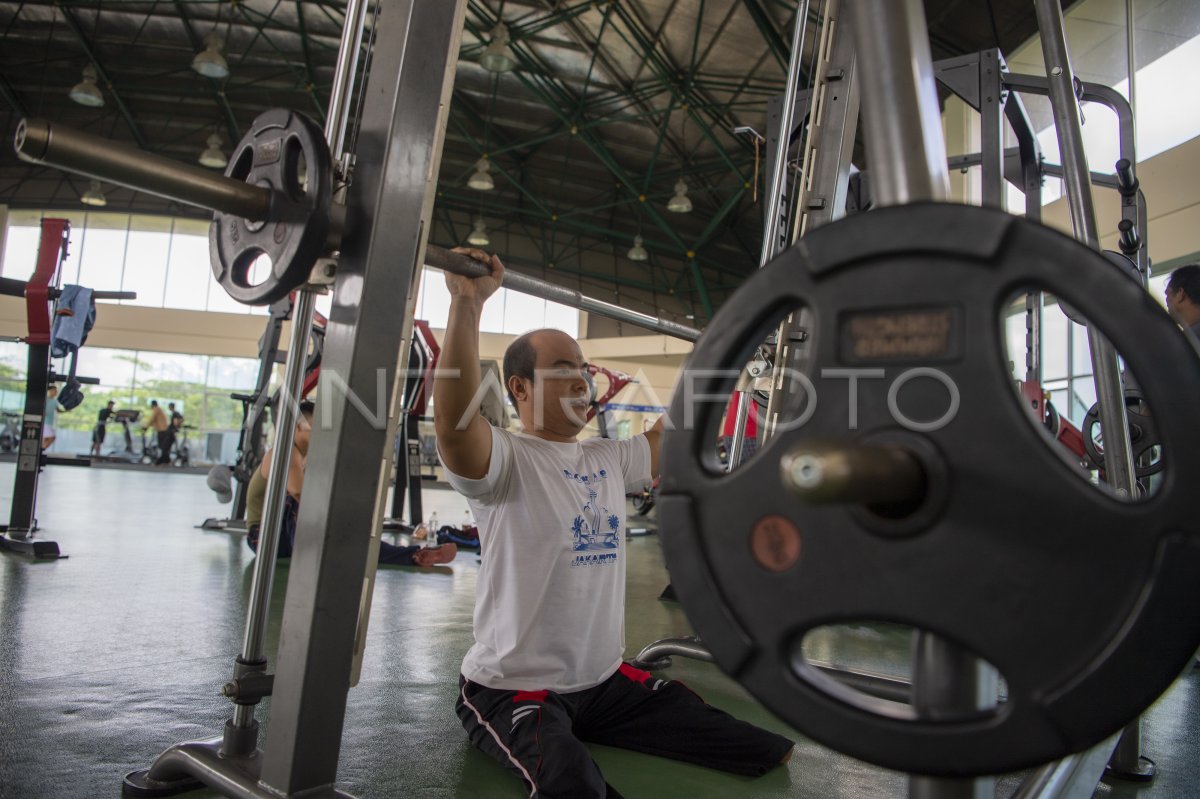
{"x": 1170, "y": 182}
{"x": 157, "y": 329}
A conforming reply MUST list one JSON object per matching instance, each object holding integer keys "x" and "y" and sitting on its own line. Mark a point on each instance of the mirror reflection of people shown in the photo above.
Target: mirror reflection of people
{"x": 50, "y": 417}
{"x": 100, "y": 431}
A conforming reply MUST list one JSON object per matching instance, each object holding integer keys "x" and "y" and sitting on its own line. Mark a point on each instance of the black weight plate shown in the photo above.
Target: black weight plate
{"x": 1143, "y": 436}
{"x": 1087, "y": 605}
{"x": 286, "y": 152}
{"x": 1123, "y": 263}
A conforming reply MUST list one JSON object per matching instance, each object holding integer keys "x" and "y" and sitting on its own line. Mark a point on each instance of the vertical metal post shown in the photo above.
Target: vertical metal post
{"x": 773, "y": 232}
{"x": 1131, "y": 54}
{"x": 830, "y": 143}
{"x": 991, "y": 135}
{"x": 286, "y": 412}
{"x": 826, "y": 154}
{"x": 287, "y": 409}
{"x": 52, "y": 249}
{"x": 1118, "y": 454}
{"x": 22, "y": 518}
{"x": 906, "y": 153}
{"x": 901, "y": 121}
{"x": 388, "y": 209}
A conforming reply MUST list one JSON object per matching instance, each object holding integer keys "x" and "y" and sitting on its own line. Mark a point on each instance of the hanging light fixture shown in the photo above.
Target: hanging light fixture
{"x": 209, "y": 62}
{"x": 94, "y": 195}
{"x": 637, "y": 252}
{"x": 479, "y": 236}
{"x": 497, "y": 56}
{"x": 680, "y": 203}
{"x": 212, "y": 155}
{"x": 481, "y": 179}
{"x": 86, "y": 92}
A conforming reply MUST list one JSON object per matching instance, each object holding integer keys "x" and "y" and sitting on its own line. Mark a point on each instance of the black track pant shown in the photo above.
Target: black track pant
{"x": 540, "y": 735}
{"x": 166, "y": 440}
{"x": 389, "y": 554}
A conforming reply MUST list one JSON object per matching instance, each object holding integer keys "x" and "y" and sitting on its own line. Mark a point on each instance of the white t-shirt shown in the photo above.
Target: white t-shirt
{"x": 550, "y": 597}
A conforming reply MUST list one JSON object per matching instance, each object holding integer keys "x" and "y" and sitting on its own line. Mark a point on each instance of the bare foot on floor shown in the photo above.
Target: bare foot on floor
{"x": 432, "y": 556}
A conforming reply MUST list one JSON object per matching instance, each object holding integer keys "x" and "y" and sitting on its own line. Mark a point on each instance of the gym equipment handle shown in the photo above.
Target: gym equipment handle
{"x": 459, "y": 264}
{"x": 37, "y": 141}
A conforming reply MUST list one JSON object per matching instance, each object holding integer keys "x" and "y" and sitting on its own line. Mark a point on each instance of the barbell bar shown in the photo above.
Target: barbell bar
{"x": 42, "y": 142}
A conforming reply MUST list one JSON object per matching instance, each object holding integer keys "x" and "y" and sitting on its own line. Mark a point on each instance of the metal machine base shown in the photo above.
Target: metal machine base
{"x": 199, "y": 764}
{"x": 18, "y": 541}
{"x": 1144, "y": 771}
{"x": 228, "y": 525}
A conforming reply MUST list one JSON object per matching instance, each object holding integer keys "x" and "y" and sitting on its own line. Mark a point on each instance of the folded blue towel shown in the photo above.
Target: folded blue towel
{"x": 74, "y": 315}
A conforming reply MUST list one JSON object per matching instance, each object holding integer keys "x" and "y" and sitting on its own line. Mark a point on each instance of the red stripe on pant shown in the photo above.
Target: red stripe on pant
{"x": 530, "y": 696}
{"x": 636, "y": 675}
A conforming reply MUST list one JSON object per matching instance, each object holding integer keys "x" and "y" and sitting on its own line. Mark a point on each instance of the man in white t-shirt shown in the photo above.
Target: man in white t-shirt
{"x": 545, "y": 674}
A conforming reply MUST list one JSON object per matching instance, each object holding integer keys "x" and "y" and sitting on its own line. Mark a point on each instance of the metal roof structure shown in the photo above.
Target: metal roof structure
{"x": 610, "y": 104}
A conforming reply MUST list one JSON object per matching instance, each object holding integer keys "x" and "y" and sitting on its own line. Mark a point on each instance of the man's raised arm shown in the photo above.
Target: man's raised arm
{"x": 464, "y": 441}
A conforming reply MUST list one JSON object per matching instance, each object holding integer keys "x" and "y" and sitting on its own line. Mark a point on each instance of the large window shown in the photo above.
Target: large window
{"x": 164, "y": 260}
{"x": 199, "y": 385}
{"x": 1167, "y": 43}
{"x": 505, "y": 312}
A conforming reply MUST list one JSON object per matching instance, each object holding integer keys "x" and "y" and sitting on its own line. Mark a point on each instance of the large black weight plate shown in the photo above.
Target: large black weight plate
{"x": 1143, "y": 436}
{"x": 1123, "y": 263}
{"x": 1087, "y": 605}
{"x": 286, "y": 152}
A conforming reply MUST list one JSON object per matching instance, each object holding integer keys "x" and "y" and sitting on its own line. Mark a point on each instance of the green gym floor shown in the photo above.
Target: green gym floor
{"x": 117, "y": 652}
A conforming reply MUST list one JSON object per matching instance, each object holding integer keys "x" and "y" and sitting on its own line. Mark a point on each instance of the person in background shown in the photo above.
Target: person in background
{"x": 50, "y": 417}
{"x": 158, "y": 421}
{"x": 1183, "y": 297}
{"x": 166, "y": 438}
{"x": 101, "y": 429}
{"x": 256, "y": 495}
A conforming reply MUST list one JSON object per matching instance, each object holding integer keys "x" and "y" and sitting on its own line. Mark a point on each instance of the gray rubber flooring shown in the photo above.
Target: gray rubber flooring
{"x": 111, "y": 655}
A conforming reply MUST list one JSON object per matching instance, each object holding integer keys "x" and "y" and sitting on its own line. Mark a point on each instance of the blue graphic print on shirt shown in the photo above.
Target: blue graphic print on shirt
{"x": 596, "y": 529}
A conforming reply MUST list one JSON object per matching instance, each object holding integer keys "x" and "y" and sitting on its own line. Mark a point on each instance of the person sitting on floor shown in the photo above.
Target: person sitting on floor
{"x": 256, "y": 494}
{"x": 545, "y": 675}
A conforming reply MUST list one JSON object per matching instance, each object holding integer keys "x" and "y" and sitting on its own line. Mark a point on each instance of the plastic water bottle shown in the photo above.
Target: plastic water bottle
{"x": 433, "y": 530}
{"x": 467, "y": 522}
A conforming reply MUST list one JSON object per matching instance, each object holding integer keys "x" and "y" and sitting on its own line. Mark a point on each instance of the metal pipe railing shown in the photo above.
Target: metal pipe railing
{"x": 38, "y": 141}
